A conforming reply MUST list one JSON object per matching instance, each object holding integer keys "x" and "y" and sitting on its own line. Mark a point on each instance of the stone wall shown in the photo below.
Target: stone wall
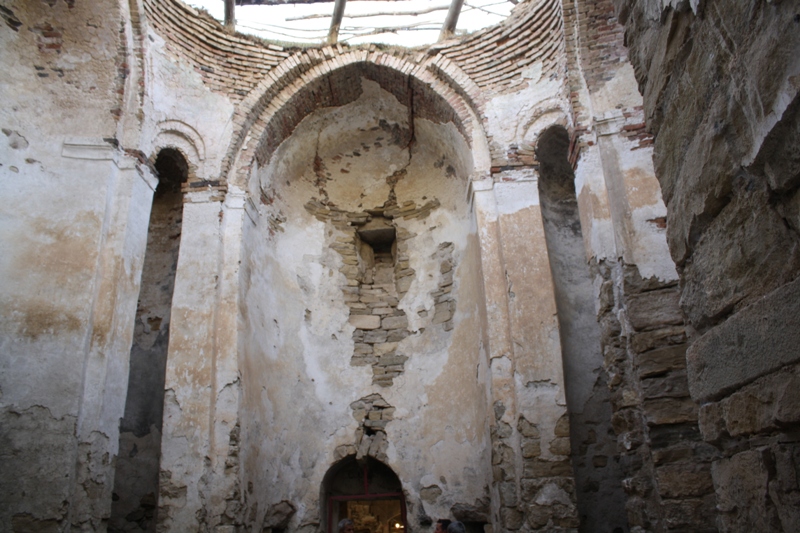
{"x": 720, "y": 95}
{"x": 74, "y": 218}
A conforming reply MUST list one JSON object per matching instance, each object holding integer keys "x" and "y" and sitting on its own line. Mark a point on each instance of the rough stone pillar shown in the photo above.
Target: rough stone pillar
{"x": 189, "y": 387}
{"x": 532, "y": 471}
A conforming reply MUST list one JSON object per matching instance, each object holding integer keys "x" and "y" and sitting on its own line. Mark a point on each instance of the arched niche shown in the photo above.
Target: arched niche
{"x": 365, "y": 491}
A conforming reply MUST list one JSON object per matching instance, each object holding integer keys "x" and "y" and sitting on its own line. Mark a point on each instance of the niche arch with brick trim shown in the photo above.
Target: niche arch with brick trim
{"x": 184, "y": 138}
{"x": 272, "y": 111}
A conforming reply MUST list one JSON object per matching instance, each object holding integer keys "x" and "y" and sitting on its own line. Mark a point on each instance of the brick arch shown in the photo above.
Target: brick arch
{"x": 187, "y": 141}
{"x": 434, "y": 88}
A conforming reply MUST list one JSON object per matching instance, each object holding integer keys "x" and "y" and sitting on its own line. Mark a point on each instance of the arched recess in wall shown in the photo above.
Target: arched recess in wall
{"x": 598, "y": 482}
{"x": 365, "y": 491}
{"x": 272, "y": 111}
{"x": 137, "y": 469}
{"x": 182, "y": 137}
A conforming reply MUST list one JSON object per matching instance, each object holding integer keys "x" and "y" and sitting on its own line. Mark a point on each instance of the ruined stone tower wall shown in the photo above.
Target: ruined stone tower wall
{"x": 720, "y": 96}
{"x": 664, "y": 468}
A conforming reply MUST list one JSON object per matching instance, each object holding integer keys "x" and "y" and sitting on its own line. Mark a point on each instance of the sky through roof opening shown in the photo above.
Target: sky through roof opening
{"x": 400, "y": 22}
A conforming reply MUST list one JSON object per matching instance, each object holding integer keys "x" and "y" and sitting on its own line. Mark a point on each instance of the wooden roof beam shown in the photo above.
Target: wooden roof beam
{"x": 230, "y": 17}
{"x": 449, "y": 26}
{"x": 336, "y": 21}
{"x": 283, "y": 2}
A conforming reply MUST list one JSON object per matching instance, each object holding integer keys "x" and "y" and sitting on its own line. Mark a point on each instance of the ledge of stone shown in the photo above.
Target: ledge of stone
{"x": 759, "y": 339}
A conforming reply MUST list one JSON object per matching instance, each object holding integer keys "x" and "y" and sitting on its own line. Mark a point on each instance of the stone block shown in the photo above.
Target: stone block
{"x": 560, "y": 446}
{"x": 382, "y": 349}
{"x": 673, "y": 385}
{"x": 684, "y": 480}
{"x": 508, "y": 493}
{"x": 661, "y": 360}
{"x": 746, "y": 251}
{"x": 443, "y": 312}
{"x": 395, "y": 322}
{"x": 396, "y": 335}
{"x": 757, "y": 340}
{"x": 362, "y": 349}
{"x": 392, "y": 360}
{"x": 691, "y": 514}
{"x": 670, "y": 411}
{"x": 562, "y": 426}
{"x": 512, "y": 519}
{"x": 667, "y": 336}
{"x": 531, "y": 448}
{"x": 670, "y": 435}
{"x": 770, "y": 402}
{"x": 650, "y": 310}
{"x": 376, "y": 336}
{"x": 365, "y": 321}
{"x": 537, "y": 468}
{"x": 527, "y": 429}
{"x": 430, "y": 494}
{"x": 742, "y": 486}
{"x": 711, "y": 421}
{"x": 403, "y": 284}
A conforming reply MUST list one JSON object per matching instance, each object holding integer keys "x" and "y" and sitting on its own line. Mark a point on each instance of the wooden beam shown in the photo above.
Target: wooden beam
{"x": 230, "y": 17}
{"x": 449, "y": 26}
{"x": 336, "y": 21}
{"x": 283, "y": 2}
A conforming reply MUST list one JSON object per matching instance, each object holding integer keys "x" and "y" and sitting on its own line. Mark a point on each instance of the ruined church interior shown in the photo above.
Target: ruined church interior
{"x": 541, "y": 276}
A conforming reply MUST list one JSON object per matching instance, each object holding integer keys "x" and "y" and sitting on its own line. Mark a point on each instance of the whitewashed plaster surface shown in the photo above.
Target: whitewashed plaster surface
{"x": 296, "y": 345}
{"x": 181, "y": 111}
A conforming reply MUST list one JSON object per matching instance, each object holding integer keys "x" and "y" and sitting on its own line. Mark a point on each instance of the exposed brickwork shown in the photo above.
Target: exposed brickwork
{"x": 230, "y": 64}
{"x": 276, "y": 89}
{"x": 496, "y": 57}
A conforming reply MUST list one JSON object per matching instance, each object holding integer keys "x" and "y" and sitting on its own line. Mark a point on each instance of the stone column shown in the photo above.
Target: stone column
{"x": 224, "y": 492}
{"x": 190, "y": 378}
{"x": 533, "y": 474}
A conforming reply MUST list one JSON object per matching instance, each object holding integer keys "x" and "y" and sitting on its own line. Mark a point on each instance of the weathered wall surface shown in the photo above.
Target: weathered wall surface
{"x": 330, "y": 331}
{"x": 643, "y": 337}
{"x": 73, "y": 232}
{"x": 720, "y": 95}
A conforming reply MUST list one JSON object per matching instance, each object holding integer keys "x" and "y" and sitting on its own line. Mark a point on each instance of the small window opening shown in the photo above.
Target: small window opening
{"x": 378, "y": 250}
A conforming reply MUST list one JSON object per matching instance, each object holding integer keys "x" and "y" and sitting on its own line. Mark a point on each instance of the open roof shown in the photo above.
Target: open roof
{"x": 397, "y": 22}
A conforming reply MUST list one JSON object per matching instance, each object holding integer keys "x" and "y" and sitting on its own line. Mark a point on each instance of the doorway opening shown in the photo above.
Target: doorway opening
{"x": 367, "y": 492}
{"x": 135, "y": 495}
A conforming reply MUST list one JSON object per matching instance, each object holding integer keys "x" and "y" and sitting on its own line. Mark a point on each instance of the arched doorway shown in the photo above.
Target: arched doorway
{"x": 135, "y": 495}
{"x": 367, "y": 492}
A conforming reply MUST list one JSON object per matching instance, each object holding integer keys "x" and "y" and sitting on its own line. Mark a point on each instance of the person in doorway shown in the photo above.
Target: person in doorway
{"x": 441, "y": 525}
{"x": 346, "y": 526}
{"x": 456, "y": 527}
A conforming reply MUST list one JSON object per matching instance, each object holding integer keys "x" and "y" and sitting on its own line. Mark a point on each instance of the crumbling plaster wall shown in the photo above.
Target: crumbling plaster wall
{"x": 720, "y": 95}
{"x": 73, "y": 233}
{"x": 300, "y": 374}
